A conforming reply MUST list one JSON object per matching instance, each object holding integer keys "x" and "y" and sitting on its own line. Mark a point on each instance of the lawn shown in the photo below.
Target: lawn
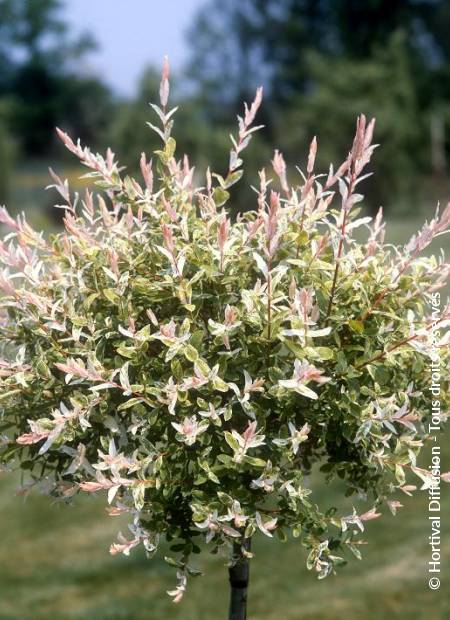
{"x": 55, "y": 565}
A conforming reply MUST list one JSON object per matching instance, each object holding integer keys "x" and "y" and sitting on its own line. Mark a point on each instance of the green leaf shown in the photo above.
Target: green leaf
{"x": 302, "y": 238}
{"x": 197, "y": 338}
{"x": 226, "y": 460}
{"x": 281, "y": 535}
{"x": 203, "y": 367}
{"x": 232, "y": 178}
{"x": 400, "y": 474}
{"x": 356, "y": 326}
{"x": 131, "y": 402}
{"x": 190, "y": 353}
{"x": 169, "y": 150}
{"x": 129, "y": 187}
{"x": 219, "y": 384}
{"x": 173, "y": 562}
{"x": 356, "y": 552}
{"x": 231, "y": 441}
{"x": 139, "y": 496}
{"x": 111, "y": 295}
{"x": 194, "y": 572}
{"x": 220, "y": 196}
{"x": 124, "y": 351}
{"x": 212, "y": 476}
{"x": 251, "y": 460}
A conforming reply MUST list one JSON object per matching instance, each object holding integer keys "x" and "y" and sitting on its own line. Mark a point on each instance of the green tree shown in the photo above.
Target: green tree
{"x": 6, "y": 152}
{"x": 382, "y": 85}
{"x": 236, "y": 43}
{"x": 41, "y": 72}
{"x": 323, "y": 61}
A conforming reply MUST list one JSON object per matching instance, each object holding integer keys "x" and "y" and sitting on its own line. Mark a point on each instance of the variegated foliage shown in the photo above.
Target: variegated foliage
{"x": 195, "y": 368}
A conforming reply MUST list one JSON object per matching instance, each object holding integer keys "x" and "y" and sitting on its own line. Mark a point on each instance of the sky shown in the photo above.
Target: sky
{"x": 132, "y": 34}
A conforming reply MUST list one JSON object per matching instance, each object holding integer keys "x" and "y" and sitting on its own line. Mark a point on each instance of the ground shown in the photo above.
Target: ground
{"x": 55, "y": 565}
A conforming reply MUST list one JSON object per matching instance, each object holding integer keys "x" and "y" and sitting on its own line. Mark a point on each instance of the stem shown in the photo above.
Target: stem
{"x": 239, "y": 577}
{"x": 383, "y": 293}
{"x": 269, "y": 302}
{"x": 398, "y": 344}
{"x": 269, "y": 314}
{"x": 345, "y": 213}
{"x": 381, "y": 355}
{"x": 302, "y": 217}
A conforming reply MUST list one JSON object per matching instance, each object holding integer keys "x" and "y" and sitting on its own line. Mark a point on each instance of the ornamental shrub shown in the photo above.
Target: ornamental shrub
{"x": 196, "y": 368}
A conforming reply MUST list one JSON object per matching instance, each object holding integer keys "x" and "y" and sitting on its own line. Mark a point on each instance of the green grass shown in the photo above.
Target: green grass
{"x": 55, "y": 565}
{"x": 28, "y": 192}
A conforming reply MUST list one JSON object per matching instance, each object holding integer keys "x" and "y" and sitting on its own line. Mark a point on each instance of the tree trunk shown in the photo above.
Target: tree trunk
{"x": 239, "y": 576}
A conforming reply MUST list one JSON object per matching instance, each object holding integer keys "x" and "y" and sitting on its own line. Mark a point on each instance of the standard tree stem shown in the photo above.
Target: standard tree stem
{"x": 239, "y": 577}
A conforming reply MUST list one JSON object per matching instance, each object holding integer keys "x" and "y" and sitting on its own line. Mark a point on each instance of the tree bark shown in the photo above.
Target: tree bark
{"x": 239, "y": 577}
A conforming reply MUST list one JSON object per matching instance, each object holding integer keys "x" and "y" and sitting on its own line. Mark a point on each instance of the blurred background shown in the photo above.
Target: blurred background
{"x": 91, "y": 68}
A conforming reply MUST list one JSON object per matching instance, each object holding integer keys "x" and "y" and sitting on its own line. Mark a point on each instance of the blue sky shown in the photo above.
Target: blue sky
{"x": 132, "y": 34}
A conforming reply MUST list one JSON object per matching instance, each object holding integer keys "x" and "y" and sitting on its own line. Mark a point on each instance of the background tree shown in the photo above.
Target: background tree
{"x": 343, "y": 57}
{"x": 7, "y": 152}
{"x": 196, "y": 137}
{"x": 40, "y": 72}
{"x": 201, "y": 133}
{"x": 361, "y": 85}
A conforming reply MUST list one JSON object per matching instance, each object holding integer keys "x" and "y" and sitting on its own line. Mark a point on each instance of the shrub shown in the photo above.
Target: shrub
{"x": 196, "y": 368}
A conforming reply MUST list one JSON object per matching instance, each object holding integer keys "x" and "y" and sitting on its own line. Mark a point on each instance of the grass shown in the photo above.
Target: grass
{"x": 54, "y": 564}
{"x": 29, "y": 195}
